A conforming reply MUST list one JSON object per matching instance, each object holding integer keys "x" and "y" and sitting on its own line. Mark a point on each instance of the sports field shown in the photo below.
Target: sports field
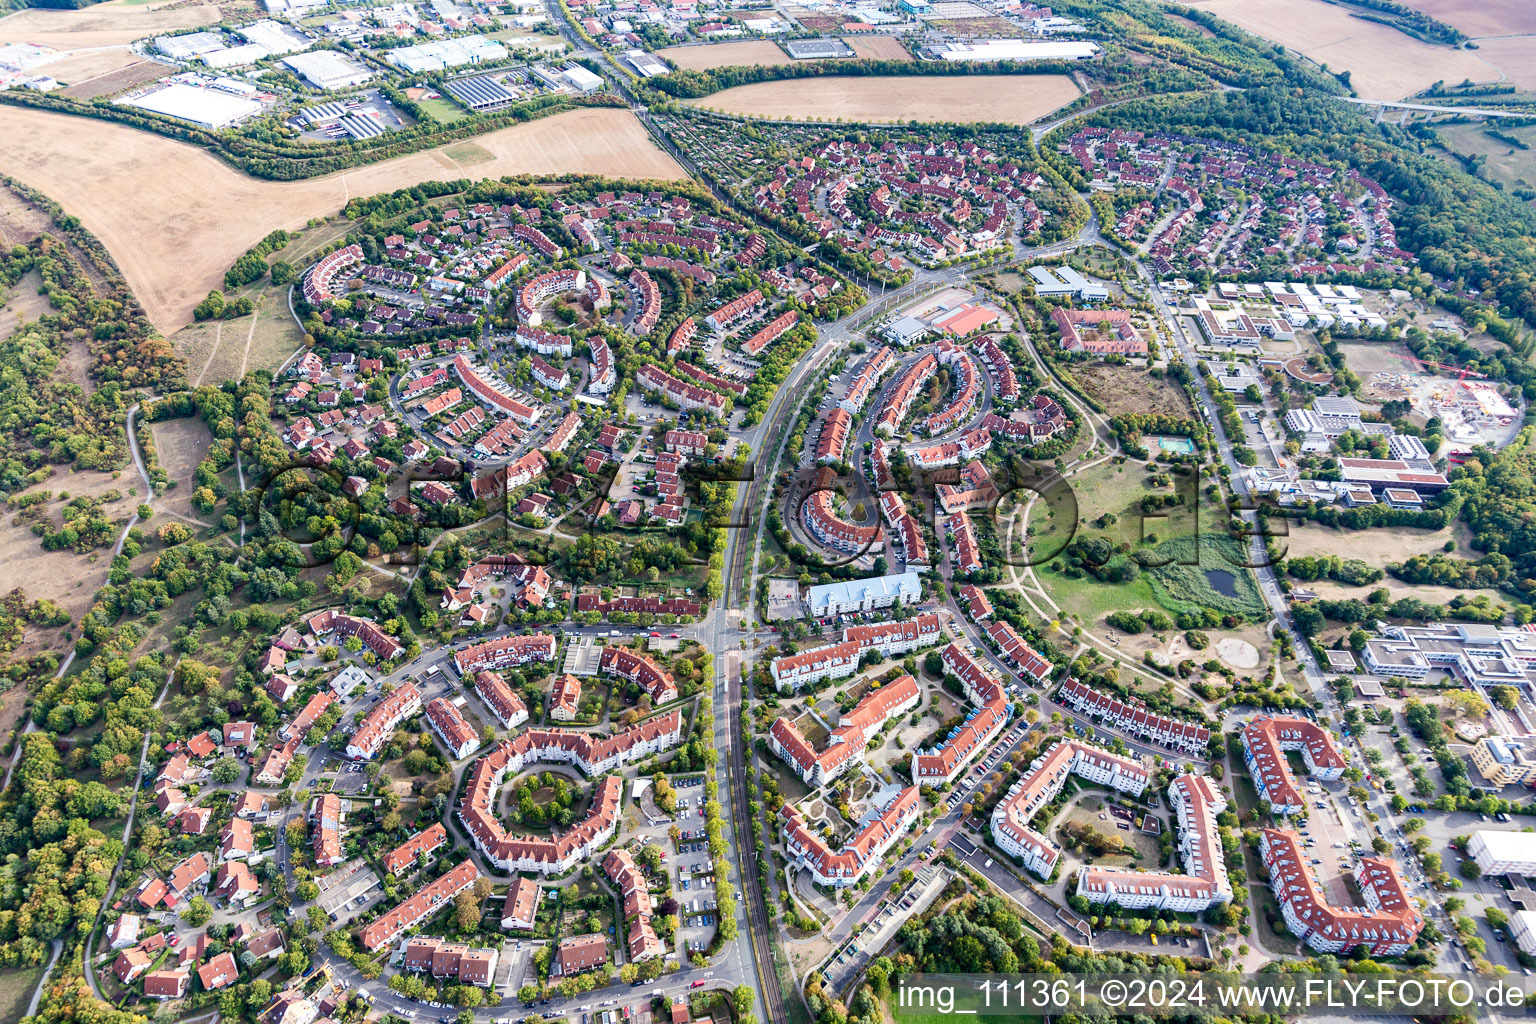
{"x": 1384, "y": 64}
{"x": 175, "y": 216}
{"x": 1005, "y": 99}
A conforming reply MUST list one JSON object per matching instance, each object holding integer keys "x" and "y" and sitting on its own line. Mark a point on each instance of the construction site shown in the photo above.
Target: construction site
{"x": 1472, "y": 411}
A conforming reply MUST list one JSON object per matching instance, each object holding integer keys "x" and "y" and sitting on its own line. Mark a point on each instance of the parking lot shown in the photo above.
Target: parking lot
{"x": 349, "y": 889}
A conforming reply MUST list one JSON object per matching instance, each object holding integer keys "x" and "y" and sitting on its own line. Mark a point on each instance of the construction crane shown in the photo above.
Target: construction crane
{"x": 1461, "y": 372}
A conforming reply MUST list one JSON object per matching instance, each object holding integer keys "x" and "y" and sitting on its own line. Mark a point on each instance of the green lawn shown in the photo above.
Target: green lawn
{"x": 443, "y": 110}
{"x": 16, "y": 988}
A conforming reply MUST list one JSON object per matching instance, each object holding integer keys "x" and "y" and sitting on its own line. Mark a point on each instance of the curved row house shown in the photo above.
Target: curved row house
{"x": 863, "y": 384}
{"x": 538, "y": 239}
{"x": 967, "y": 394}
{"x": 804, "y": 847}
{"x": 819, "y": 518}
{"x": 545, "y": 343}
{"x": 558, "y": 746}
{"x": 403, "y": 857}
{"x": 325, "y": 813}
{"x": 604, "y": 377}
{"x": 975, "y": 489}
{"x": 649, "y": 310}
{"x": 839, "y": 660}
{"x": 1042, "y": 783}
{"x": 907, "y": 387}
{"x": 642, "y": 669}
{"x": 1025, "y": 659}
{"x": 966, "y": 553}
{"x": 499, "y": 698}
{"x": 541, "y": 289}
{"x": 713, "y": 380}
{"x": 380, "y": 721}
{"x": 905, "y": 530}
{"x": 458, "y": 736}
{"x": 1196, "y": 801}
{"x": 640, "y": 937}
{"x": 728, "y": 314}
{"x": 846, "y": 745}
{"x": 384, "y": 646}
{"x": 1134, "y": 718}
{"x": 428, "y": 901}
{"x": 1005, "y": 383}
{"x": 682, "y": 336}
{"x": 1388, "y": 924}
{"x": 320, "y": 281}
{"x": 444, "y": 959}
{"x": 944, "y": 763}
{"x": 1041, "y": 418}
{"x": 493, "y": 392}
{"x": 1265, "y": 740}
{"x": 770, "y": 333}
{"x": 508, "y": 650}
{"x": 833, "y": 438}
{"x": 687, "y": 396}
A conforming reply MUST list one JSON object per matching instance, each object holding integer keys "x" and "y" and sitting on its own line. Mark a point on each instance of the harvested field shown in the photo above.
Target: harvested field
{"x": 1513, "y": 55}
{"x": 100, "y": 26}
{"x": 1007, "y": 99}
{"x": 747, "y": 53}
{"x": 116, "y": 80}
{"x": 1126, "y": 389}
{"x": 1484, "y": 18}
{"x": 1384, "y": 64}
{"x": 180, "y": 445}
{"x": 878, "y": 47}
{"x": 175, "y": 216}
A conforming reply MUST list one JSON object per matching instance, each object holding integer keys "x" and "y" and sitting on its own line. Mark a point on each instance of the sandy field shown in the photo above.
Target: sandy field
{"x": 130, "y": 75}
{"x": 1384, "y": 63}
{"x": 1008, "y": 99}
{"x": 726, "y": 55}
{"x": 1513, "y": 55}
{"x": 1482, "y": 17}
{"x": 175, "y": 216}
{"x": 99, "y": 26}
{"x": 878, "y": 47}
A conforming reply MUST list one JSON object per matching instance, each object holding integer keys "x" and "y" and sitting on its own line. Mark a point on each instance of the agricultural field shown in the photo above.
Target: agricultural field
{"x": 175, "y": 217}
{"x": 16, "y": 988}
{"x": 105, "y": 25}
{"x": 1515, "y": 56}
{"x": 747, "y": 53}
{"x": 996, "y": 99}
{"x": 1384, "y": 64}
{"x": 1484, "y": 18}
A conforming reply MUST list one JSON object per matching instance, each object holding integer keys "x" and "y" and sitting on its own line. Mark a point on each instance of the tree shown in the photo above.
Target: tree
{"x": 227, "y": 770}
{"x": 1465, "y": 702}
{"x": 1505, "y": 696}
{"x": 466, "y": 911}
{"x": 198, "y": 912}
